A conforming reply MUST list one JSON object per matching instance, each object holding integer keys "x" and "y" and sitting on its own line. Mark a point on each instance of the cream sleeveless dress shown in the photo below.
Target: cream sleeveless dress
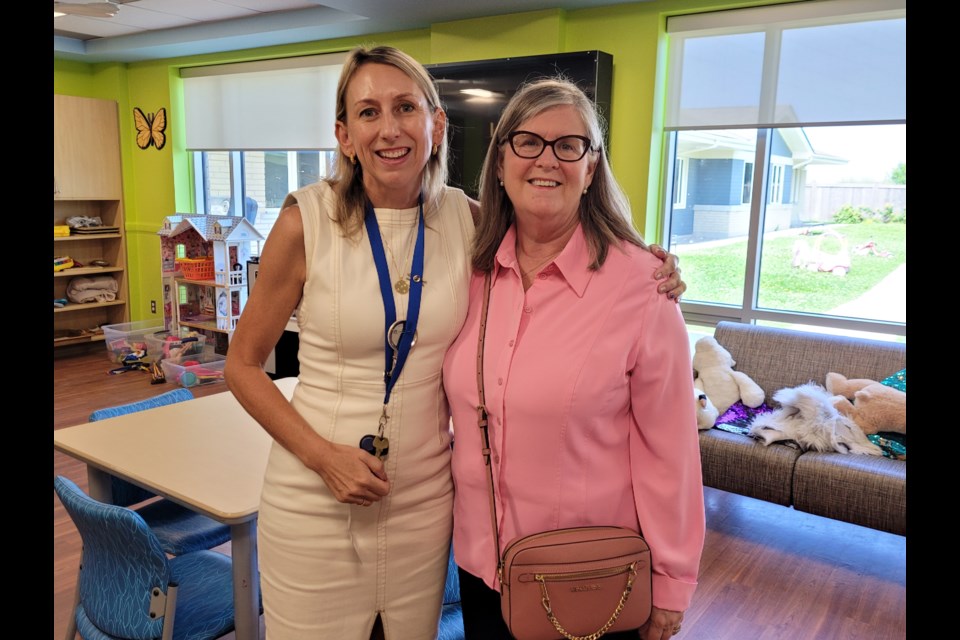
{"x": 328, "y": 568}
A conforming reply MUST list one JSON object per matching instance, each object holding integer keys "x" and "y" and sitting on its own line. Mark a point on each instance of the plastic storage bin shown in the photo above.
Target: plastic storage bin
{"x": 196, "y": 269}
{"x": 129, "y": 339}
{"x": 206, "y": 368}
{"x": 169, "y": 345}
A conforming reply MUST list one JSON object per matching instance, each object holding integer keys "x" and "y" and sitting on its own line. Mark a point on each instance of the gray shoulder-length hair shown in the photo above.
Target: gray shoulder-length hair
{"x": 604, "y": 210}
{"x": 347, "y": 178}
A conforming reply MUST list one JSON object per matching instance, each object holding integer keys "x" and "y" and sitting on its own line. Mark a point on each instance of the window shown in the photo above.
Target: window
{"x": 258, "y": 131}
{"x": 785, "y": 127}
{"x": 747, "y": 190}
{"x": 775, "y": 188}
{"x": 254, "y": 184}
{"x": 680, "y": 172}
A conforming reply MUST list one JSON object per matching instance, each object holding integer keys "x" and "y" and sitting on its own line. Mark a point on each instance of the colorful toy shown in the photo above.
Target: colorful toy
{"x": 198, "y": 376}
{"x": 123, "y": 349}
{"x": 156, "y": 372}
{"x": 175, "y": 348}
{"x": 133, "y": 361}
{"x": 62, "y": 262}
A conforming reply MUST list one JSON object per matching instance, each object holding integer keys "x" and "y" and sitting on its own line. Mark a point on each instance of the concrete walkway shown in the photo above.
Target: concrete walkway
{"x": 885, "y": 301}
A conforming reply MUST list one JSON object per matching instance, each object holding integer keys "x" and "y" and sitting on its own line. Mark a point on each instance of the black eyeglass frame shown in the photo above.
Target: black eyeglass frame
{"x": 549, "y": 143}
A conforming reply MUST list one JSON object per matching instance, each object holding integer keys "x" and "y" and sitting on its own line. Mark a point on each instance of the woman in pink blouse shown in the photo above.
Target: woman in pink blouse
{"x": 586, "y": 367}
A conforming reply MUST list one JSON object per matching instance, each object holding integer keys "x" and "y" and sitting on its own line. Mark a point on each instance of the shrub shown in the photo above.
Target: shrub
{"x": 886, "y": 213}
{"x": 848, "y": 215}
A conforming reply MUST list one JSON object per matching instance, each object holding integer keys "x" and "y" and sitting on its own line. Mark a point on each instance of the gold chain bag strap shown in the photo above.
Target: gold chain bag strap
{"x": 577, "y": 583}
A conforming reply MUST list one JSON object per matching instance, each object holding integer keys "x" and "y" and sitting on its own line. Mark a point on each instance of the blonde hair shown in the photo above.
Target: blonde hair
{"x": 604, "y": 211}
{"x": 347, "y": 179}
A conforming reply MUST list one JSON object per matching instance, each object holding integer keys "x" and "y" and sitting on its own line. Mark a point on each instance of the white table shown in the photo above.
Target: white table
{"x": 206, "y": 454}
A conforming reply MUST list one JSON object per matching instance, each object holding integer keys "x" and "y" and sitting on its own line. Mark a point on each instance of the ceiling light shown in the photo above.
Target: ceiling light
{"x": 90, "y": 9}
{"x": 480, "y": 93}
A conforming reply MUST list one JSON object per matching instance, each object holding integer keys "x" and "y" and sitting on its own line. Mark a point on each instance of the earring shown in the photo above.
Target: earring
{"x": 501, "y": 184}
{"x": 585, "y": 190}
{"x": 353, "y": 159}
{"x": 435, "y": 149}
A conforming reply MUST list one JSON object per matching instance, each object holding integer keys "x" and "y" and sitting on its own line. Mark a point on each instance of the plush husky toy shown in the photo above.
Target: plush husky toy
{"x": 807, "y": 416}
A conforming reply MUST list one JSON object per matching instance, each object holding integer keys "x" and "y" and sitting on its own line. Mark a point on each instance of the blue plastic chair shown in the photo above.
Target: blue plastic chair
{"x": 178, "y": 529}
{"x": 130, "y": 590}
{"x": 451, "y": 616}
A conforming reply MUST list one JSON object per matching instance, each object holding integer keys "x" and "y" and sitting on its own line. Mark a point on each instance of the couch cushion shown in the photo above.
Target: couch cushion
{"x": 740, "y": 464}
{"x": 783, "y": 358}
{"x": 867, "y": 490}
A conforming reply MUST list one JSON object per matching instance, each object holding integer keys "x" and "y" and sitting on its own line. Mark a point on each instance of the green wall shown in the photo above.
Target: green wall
{"x": 157, "y": 182}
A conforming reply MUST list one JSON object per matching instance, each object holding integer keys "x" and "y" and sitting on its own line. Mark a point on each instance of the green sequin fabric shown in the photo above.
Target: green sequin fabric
{"x": 894, "y": 445}
{"x": 897, "y": 380}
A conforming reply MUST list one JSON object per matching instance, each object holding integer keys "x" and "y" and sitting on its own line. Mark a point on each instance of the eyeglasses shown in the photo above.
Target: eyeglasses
{"x": 527, "y": 144}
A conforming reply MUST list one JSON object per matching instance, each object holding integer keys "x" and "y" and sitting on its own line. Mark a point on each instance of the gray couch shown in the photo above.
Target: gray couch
{"x": 865, "y": 490}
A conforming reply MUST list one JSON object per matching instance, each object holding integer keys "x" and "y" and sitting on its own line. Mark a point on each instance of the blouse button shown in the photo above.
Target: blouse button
{"x": 542, "y": 276}
{"x": 500, "y": 381}
{"x": 528, "y": 309}
{"x": 510, "y": 344}
{"x": 496, "y": 458}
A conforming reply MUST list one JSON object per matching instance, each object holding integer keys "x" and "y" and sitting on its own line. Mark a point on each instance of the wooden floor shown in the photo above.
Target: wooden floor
{"x": 768, "y": 572}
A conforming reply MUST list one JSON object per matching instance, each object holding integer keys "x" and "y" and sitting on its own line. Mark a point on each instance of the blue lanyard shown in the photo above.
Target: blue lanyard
{"x": 391, "y": 369}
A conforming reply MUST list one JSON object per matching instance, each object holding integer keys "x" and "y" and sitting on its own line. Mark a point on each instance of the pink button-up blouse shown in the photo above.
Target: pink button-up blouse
{"x": 588, "y": 386}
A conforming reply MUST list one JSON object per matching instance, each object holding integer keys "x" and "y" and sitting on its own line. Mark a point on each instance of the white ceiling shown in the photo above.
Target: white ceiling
{"x": 151, "y": 29}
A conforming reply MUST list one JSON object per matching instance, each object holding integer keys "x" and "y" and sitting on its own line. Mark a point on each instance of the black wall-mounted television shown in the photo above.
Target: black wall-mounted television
{"x": 474, "y": 94}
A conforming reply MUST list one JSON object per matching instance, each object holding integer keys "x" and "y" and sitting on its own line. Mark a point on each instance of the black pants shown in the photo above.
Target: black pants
{"x": 481, "y": 612}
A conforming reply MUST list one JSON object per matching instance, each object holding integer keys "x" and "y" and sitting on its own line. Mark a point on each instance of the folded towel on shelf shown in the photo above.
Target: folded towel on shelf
{"x": 92, "y": 289}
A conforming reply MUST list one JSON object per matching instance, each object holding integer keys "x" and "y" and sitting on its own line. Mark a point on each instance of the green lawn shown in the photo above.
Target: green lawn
{"x": 715, "y": 273}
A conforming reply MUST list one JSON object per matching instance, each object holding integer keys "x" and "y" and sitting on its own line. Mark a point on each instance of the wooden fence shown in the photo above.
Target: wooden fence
{"x": 820, "y": 202}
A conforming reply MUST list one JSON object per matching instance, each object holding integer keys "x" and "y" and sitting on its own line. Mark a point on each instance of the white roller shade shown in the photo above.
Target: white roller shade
{"x": 284, "y": 104}
{"x": 802, "y": 63}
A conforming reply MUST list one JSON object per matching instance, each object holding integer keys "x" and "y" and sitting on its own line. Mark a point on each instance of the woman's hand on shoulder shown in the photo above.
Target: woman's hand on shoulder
{"x": 669, "y": 272}
{"x": 663, "y": 624}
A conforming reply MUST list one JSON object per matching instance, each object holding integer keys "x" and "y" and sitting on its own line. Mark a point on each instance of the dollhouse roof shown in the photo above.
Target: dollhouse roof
{"x": 170, "y": 223}
{"x": 211, "y": 228}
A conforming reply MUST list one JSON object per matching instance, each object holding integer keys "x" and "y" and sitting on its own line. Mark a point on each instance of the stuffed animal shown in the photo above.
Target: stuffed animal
{"x": 707, "y": 414}
{"x": 714, "y": 368}
{"x": 808, "y": 417}
{"x": 874, "y": 407}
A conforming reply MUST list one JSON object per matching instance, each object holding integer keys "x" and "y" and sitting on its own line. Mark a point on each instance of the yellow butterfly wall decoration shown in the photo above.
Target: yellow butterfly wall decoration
{"x": 150, "y": 128}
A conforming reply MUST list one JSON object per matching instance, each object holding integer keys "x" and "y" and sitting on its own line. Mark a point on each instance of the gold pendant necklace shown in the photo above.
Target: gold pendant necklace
{"x": 402, "y": 284}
